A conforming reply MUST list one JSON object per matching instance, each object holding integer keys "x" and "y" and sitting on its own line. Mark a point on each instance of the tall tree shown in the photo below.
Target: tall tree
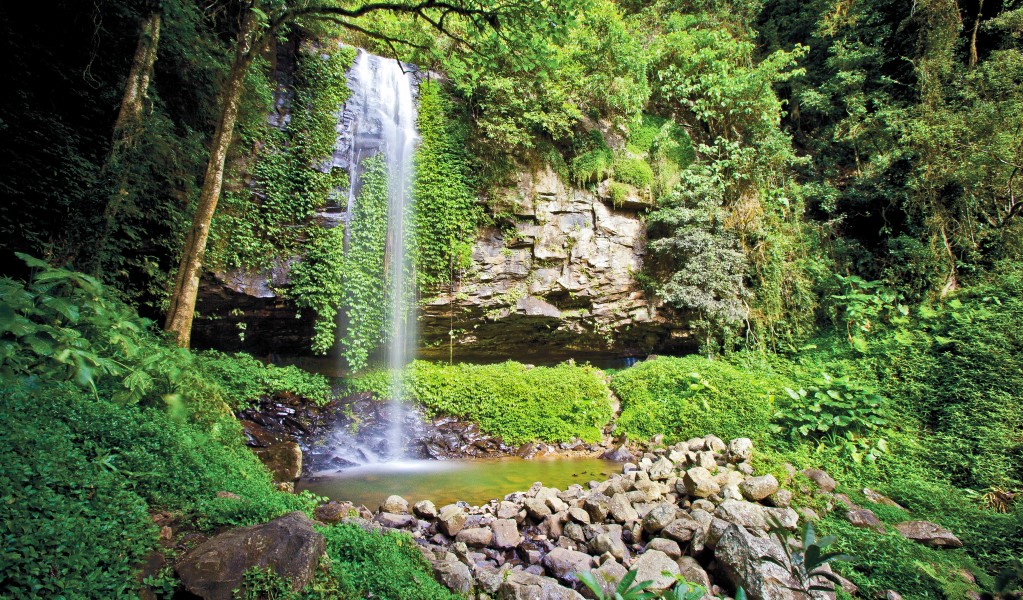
{"x": 511, "y": 27}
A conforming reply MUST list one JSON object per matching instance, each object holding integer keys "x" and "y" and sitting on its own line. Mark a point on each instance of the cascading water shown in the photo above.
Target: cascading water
{"x": 380, "y": 118}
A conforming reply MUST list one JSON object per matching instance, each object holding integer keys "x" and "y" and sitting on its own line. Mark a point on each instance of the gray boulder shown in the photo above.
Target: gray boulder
{"x": 475, "y": 536}
{"x": 929, "y": 534}
{"x": 740, "y": 450}
{"x": 747, "y": 561}
{"x": 651, "y": 565}
{"x": 506, "y": 533}
{"x": 824, "y": 481}
{"x": 659, "y": 517}
{"x": 520, "y": 585}
{"x": 394, "y": 504}
{"x": 621, "y": 510}
{"x": 453, "y": 574}
{"x": 451, "y": 519}
{"x": 288, "y": 546}
{"x": 425, "y": 510}
{"x": 565, "y": 564}
{"x": 698, "y": 482}
{"x": 757, "y": 488}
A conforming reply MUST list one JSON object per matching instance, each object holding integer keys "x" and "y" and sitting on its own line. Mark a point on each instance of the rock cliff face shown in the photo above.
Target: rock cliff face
{"x": 556, "y": 281}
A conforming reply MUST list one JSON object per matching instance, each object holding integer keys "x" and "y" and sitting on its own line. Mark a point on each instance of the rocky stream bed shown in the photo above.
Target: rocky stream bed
{"x": 694, "y": 510}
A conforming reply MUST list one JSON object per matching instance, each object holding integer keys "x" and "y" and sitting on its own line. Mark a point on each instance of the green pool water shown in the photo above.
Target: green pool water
{"x": 444, "y": 482}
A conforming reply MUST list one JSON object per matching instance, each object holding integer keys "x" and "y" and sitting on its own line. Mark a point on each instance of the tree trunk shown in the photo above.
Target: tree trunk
{"x": 135, "y": 89}
{"x": 973, "y": 39}
{"x": 186, "y": 287}
{"x": 128, "y": 125}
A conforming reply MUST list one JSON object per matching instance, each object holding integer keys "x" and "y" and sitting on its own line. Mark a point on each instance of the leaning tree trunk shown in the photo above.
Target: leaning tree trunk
{"x": 186, "y": 287}
{"x": 130, "y": 114}
{"x": 128, "y": 125}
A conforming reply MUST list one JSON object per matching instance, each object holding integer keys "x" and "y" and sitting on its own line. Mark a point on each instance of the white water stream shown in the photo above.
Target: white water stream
{"x": 380, "y": 118}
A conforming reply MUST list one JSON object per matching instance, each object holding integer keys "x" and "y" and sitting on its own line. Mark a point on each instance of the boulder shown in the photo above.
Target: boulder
{"x": 579, "y": 515}
{"x": 740, "y": 450}
{"x": 662, "y": 469}
{"x": 744, "y": 514}
{"x": 929, "y": 534}
{"x": 659, "y": 517}
{"x": 620, "y": 454}
{"x": 651, "y": 565}
{"x": 756, "y": 489}
{"x": 394, "y": 504}
{"x": 537, "y": 509}
{"x": 425, "y": 510}
{"x": 749, "y": 562}
{"x": 669, "y": 547}
{"x": 451, "y": 519}
{"x": 693, "y": 572}
{"x": 610, "y": 544}
{"x": 565, "y": 564}
{"x": 608, "y": 575}
{"x": 453, "y": 574}
{"x": 621, "y": 510}
{"x": 334, "y": 512}
{"x": 475, "y": 536}
{"x": 288, "y": 546}
{"x": 698, "y": 482}
{"x": 506, "y": 533}
{"x": 824, "y": 481}
{"x": 682, "y": 529}
{"x": 597, "y": 505}
{"x": 521, "y": 585}
{"x": 283, "y": 460}
{"x": 864, "y": 517}
{"x": 394, "y": 520}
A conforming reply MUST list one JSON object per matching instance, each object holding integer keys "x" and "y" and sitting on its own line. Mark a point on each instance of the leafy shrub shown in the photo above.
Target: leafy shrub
{"x": 618, "y": 193}
{"x": 594, "y": 161}
{"x": 633, "y": 171}
{"x": 692, "y": 397}
{"x": 445, "y": 212}
{"x": 520, "y": 404}
{"x": 370, "y": 564}
{"x": 246, "y": 379}
{"x": 836, "y": 409}
{"x": 106, "y": 425}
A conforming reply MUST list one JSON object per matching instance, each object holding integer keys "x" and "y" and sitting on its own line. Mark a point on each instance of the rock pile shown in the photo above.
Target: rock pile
{"x": 694, "y": 509}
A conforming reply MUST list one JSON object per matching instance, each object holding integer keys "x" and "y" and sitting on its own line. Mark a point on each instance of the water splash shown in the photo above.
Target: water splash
{"x": 380, "y": 118}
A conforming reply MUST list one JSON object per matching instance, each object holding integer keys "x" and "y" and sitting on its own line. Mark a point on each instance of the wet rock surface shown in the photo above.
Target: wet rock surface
{"x": 288, "y": 546}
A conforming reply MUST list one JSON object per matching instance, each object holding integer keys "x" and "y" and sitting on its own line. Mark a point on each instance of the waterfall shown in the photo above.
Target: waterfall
{"x": 380, "y": 118}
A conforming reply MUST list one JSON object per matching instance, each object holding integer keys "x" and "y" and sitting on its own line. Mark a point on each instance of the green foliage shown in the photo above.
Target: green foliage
{"x": 847, "y": 415}
{"x": 864, "y": 304}
{"x": 328, "y": 279}
{"x": 63, "y": 325}
{"x": 594, "y": 160}
{"x": 445, "y": 211}
{"x": 698, "y": 260}
{"x": 633, "y": 171}
{"x": 244, "y": 378}
{"x": 111, "y": 425}
{"x": 371, "y": 564}
{"x": 316, "y": 283}
{"x": 693, "y": 396}
{"x": 520, "y": 404}
{"x": 254, "y": 227}
{"x": 618, "y": 193}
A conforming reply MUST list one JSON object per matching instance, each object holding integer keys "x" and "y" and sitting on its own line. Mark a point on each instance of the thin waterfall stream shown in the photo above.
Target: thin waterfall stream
{"x": 380, "y": 118}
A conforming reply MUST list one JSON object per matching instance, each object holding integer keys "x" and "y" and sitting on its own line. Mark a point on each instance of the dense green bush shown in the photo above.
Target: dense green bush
{"x": 692, "y": 397}
{"x": 370, "y": 564}
{"x": 246, "y": 379}
{"x": 518, "y": 403}
{"x": 633, "y": 171}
